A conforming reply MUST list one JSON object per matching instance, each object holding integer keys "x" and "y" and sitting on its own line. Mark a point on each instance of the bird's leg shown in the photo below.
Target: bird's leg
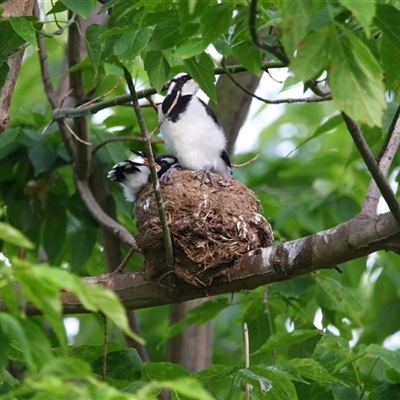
{"x": 164, "y": 178}
{"x": 206, "y": 172}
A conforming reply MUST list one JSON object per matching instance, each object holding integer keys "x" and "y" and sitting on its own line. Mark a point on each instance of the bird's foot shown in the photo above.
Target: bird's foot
{"x": 205, "y": 173}
{"x": 164, "y": 178}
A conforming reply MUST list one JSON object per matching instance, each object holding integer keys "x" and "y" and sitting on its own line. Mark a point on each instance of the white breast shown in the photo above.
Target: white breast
{"x": 195, "y": 139}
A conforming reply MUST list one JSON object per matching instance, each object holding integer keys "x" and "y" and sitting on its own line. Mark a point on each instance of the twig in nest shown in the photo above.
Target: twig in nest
{"x": 245, "y": 164}
{"x": 95, "y": 100}
{"x": 75, "y": 135}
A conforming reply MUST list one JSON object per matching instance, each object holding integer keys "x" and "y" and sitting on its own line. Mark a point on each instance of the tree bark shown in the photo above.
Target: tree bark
{"x": 12, "y": 9}
{"x": 353, "y": 239}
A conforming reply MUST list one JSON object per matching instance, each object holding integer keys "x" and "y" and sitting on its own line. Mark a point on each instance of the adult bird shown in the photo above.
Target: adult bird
{"x": 134, "y": 173}
{"x": 191, "y": 131}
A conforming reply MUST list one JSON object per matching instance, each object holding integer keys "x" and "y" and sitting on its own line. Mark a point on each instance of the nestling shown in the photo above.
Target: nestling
{"x": 191, "y": 131}
{"x": 134, "y": 173}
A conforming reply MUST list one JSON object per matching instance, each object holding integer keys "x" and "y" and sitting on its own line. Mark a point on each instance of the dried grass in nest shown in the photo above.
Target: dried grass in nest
{"x": 211, "y": 226}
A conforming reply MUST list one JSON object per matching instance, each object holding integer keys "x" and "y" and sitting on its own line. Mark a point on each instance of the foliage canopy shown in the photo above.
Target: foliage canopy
{"x": 317, "y": 336}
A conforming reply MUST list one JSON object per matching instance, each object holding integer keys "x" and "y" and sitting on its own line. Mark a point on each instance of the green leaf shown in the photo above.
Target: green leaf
{"x": 311, "y": 369}
{"x": 391, "y": 358}
{"x": 312, "y": 55}
{"x": 54, "y": 230}
{"x": 355, "y": 79}
{"x": 198, "y": 315}
{"x": 282, "y": 387}
{"x": 25, "y": 29}
{"x": 157, "y": 69}
{"x": 346, "y": 391}
{"x": 387, "y": 18}
{"x": 82, "y": 8}
{"x": 165, "y": 36}
{"x": 82, "y": 244}
{"x": 214, "y": 373}
{"x": 295, "y": 20}
{"x": 332, "y": 352}
{"x": 93, "y": 44}
{"x": 131, "y": 43}
{"x": 12, "y": 329}
{"x": 57, "y": 8}
{"x": 340, "y": 298}
{"x": 191, "y": 48}
{"x": 201, "y": 68}
{"x": 66, "y": 368}
{"x": 249, "y": 55}
{"x": 389, "y": 56}
{"x": 9, "y": 39}
{"x": 107, "y": 302}
{"x": 260, "y": 383}
{"x": 216, "y": 21}
{"x": 364, "y": 11}
{"x": 282, "y": 340}
{"x": 162, "y": 371}
{"x": 122, "y": 367}
{"x": 11, "y": 235}
{"x": 189, "y": 388}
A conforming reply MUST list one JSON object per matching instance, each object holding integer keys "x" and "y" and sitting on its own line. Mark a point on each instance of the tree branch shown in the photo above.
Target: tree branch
{"x": 384, "y": 159}
{"x": 273, "y": 49}
{"x": 60, "y": 114}
{"x": 101, "y": 217}
{"x": 373, "y": 167}
{"x": 353, "y": 239}
{"x": 15, "y": 9}
{"x": 278, "y": 101}
{"x": 156, "y": 184}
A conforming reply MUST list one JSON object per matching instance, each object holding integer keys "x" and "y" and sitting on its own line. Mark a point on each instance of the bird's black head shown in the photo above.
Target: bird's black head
{"x": 184, "y": 83}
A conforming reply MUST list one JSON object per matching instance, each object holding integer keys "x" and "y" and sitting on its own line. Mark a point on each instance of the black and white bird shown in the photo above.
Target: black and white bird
{"x": 191, "y": 131}
{"x": 134, "y": 173}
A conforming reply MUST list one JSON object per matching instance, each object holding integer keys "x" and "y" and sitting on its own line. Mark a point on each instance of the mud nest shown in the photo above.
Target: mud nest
{"x": 211, "y": 226}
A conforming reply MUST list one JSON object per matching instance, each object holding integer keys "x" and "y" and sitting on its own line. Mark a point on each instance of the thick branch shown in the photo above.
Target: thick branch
{"x": 373, "y": 167}
{"x": 350, "y": 240}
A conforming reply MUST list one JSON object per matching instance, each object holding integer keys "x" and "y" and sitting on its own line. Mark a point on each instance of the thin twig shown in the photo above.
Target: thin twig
{"x": 96, "y": 100}
{"x": 246, "y": 356}
{"x": 128, "y": 256}
{"x": 385, "y": 158}
{"x": 61, "y": 30}
{"x": 373, "y": 167}
{"x": 247, "y": 162}
{"x": 123, "y": 139}
{"x": 70, "y": 130}
{"x": 105, "y": 347}
{"x": 278, "y": 101}
{"x": 156, "y": 184}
